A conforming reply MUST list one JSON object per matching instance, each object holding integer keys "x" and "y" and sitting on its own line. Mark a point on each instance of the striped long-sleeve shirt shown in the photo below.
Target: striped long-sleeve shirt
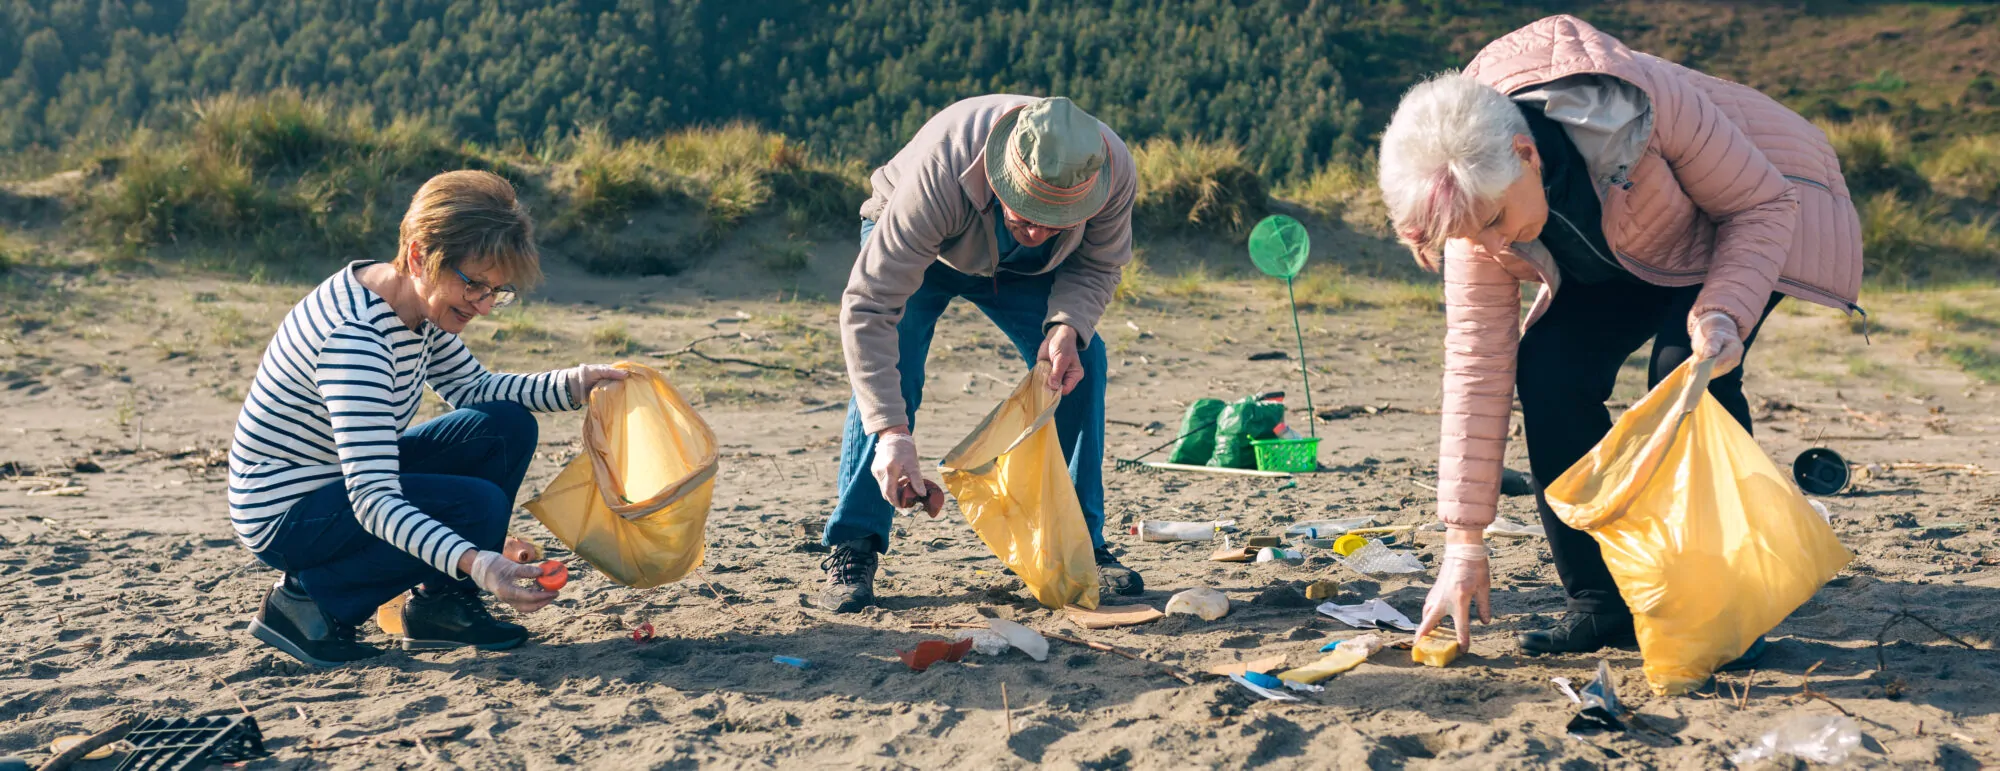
{"x": 339, "y": 382}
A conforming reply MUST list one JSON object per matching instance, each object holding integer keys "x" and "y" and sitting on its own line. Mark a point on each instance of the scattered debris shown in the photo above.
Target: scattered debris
{"x": 1263, "y": 691}
{"x": 1373, "y": 614}
{"x": 1341, "y": 657}
{"x": 1270, "y": 356}
{"x": 1203, "y": 602}
{"x": 1170, "y": 669}
{"x": 1817, "y": 738}
{"x": 1437, "y": 649}
{"x": 643, "y": 633}
{"x": 1262, "y": 665}
{"x": 1169, "y": 532}
{"x": 1601, "y": 710}
{"x": 793, "y": 662}
{"x": 1108, "y": 616}
{"x": 1323, "y": 589}
{"x": 930, "y": 652}
{"x": 1027, "y": 640}
{"x": 985, "y": 642}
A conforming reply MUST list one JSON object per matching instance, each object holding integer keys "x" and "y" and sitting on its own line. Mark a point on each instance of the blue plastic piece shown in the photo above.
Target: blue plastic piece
{"x": 792, "y": 662}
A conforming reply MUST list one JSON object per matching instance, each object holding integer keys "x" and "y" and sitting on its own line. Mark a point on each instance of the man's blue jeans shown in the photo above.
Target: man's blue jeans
{"x": 1018, "y": 305}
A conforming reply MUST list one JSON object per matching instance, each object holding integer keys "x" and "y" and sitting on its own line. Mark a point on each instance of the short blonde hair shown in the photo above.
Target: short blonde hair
{"x": 1449, "y": 148}
{"x": 462, "y": 217}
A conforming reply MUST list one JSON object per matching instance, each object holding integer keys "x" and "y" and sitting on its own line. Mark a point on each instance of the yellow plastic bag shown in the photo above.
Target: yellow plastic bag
{"x": 1010, "y": 479}
{"x": 1710, "y": 544}
{"x": 634, "y": 503}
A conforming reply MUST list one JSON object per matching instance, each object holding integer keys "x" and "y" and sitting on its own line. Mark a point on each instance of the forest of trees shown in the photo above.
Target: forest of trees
{"x": 1280, "y": 78}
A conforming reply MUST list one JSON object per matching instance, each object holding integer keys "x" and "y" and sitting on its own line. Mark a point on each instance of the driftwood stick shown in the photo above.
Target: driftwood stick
{"x": 97, "y": 740}
{"x": 691, "y": 350}
{"x": 1115, "y": 651}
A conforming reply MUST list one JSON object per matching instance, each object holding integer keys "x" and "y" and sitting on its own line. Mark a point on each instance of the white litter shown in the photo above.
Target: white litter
{"x": 1368, "y": 615}
{"x": 1028, "y": 640}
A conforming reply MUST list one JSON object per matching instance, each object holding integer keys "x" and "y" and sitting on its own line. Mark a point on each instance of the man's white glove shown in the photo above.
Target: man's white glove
{"x": 897, "y": 470}
{"x": 1464, "y": 580}
{"x": 1716, "y": 337}
{"x": 498, "y": 575}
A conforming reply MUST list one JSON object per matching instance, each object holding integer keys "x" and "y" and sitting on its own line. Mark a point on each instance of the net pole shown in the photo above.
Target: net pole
{"x": 1312, "y": 418}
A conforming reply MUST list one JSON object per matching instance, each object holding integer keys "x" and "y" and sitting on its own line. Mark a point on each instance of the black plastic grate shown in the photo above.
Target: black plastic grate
{"x": 162, "y": 744}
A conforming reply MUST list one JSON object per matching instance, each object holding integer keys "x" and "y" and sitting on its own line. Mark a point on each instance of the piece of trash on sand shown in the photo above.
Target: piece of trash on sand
{"x": 1826, "y": 739}
{"x": 1261, "y": 541}
{"x": 390, "y": 615}
{"x": 1168, "y": 532}
{"x": 1327, "y": 528}
{"x": 1233, "y": 553}
{"x": 1322, "y": 589}
{"x": 1028, "y": 640}
{"x": 1271, "y": 554}
{"x": 1262, "y": 691}
{"x": 1601, "y": 710}
{"x": 1108, "y": 616}
{"x": 930, "y": 652}
{"x": 1206, "y": 603}
{"x": 1516, "y": 483}
{"x": 1512, "y": 529}
{"x": 1437, "y": 649}
{"x": 1341, "y": 656}
{"x": 793, "y": 662}
{"x": 1348, "y": 544}
{"x": 63, "y": 743}
{"x": 985, "y": 642}
{"x": 1373, "y": 614}
{"x": 1378, "y": 559}
{"x": 1820, "y": 509}
{"x": 643, "y": 633}
{"x": 1564, "y": 684}
{"x": 1263, "y": 665}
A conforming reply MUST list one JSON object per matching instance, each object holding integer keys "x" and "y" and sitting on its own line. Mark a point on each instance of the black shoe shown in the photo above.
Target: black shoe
{"x": 850, "y": 577}
{"x": 293, "y": 623}
{"x": 1581, "y": 633}
{"x": 1116, "y": 577}
{"x": 1750, "y": 657}
{"x": 454, "y": 619}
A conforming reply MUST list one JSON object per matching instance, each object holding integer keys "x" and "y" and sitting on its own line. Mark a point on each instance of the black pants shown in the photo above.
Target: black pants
{"x": 1569, "y": 361}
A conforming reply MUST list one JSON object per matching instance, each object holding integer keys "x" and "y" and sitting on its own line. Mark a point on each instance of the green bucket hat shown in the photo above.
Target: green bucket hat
{"x": 1043, "y": 160}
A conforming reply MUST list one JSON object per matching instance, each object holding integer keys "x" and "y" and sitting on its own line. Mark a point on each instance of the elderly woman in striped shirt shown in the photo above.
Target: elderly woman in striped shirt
{"x": 327, "y": 486}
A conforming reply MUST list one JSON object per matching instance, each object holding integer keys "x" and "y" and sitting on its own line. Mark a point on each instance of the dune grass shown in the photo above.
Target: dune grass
{"x": 1199, "y": 186}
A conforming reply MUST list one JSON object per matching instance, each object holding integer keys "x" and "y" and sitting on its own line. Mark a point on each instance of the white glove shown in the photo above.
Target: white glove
{"x": 588, "y": 376}
{"x": 897, "y": 470}
{"x": 1464, "y": 579}
{"x": 498, "y": 575}
{"x": 1716, "y": 337}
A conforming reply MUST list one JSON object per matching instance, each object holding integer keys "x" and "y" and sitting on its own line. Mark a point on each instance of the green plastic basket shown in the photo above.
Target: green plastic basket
{"x": 1287, "y": 454}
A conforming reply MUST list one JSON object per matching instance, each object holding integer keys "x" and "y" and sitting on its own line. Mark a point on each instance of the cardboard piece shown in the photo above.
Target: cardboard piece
{"x": 1263, "y": 665}
{"x": 1233, "y": 554}
{"x": 1108, "y": 616}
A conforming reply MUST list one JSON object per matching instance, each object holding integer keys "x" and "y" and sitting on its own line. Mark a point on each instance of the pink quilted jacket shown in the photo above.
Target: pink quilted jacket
{"x": 1732, "y": 191}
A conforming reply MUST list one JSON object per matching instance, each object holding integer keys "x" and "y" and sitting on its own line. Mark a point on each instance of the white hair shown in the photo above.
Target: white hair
{"x": 1449, "y": 148}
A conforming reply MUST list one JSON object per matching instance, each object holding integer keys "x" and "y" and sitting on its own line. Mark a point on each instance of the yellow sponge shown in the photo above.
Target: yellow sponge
{"x": 1435, "y": 650}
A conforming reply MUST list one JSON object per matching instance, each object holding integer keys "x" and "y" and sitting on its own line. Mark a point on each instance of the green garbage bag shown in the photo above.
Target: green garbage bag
{"x": 1241, "y": 422}
{"x": 1197, "y": 443}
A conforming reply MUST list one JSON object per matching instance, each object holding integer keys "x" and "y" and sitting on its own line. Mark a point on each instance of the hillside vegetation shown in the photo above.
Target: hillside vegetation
{"x": 274, "y": 137}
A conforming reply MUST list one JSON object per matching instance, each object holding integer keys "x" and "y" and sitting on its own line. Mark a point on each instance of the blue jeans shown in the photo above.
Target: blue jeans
{"x": 462, "y": 469}
{"x": 1018, "y": 305}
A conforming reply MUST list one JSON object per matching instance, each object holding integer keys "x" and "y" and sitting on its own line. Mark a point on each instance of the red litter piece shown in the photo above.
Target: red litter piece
{"x": 931, "y": 652}
{"x": 643, "y": 634}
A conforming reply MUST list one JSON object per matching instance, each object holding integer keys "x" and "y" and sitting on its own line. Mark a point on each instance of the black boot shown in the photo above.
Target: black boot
{"x": 291, "y": 622}
{"x": 1581, "y": 633}
{"x": 1116, "y": 577}
{"x": 454, "y": 619}
{"x": 850, "y": 577}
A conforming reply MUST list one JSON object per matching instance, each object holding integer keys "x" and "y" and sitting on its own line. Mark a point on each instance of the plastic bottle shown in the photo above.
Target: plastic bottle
{"x": 1282, "y": 430}
{"x": 1151, "y": 530}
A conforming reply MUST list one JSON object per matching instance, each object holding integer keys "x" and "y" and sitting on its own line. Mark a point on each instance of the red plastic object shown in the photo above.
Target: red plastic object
{"x": 555, "y": 575}
{"x": 934, "y": 503}
{"x": 643, "y": 634}
{"x": 931, "y": 652}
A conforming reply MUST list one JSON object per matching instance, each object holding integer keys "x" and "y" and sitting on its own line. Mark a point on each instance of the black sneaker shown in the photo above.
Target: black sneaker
{"x": 291, "y": 622}
{"x": 1116, "y": 577}
{"x": 1581, "y": 633}
{"x": 454, "y": 619}
{"x": 850, "y": 577}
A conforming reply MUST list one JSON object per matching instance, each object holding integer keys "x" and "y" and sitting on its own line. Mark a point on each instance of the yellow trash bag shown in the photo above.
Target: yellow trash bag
{"x": 635, "y": 501}
{"x": 1710, "y": 544}
{"x": 1010, "y": 479}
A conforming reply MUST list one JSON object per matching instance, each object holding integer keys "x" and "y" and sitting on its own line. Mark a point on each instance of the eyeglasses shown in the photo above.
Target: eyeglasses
{"x": 476, "y": 292}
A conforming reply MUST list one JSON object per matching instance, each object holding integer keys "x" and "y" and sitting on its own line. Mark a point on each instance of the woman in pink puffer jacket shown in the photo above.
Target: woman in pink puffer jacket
{"x": 1649, "y": 201}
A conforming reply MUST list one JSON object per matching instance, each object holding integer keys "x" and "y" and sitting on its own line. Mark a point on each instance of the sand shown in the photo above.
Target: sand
{"x": 133, "y": 596}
